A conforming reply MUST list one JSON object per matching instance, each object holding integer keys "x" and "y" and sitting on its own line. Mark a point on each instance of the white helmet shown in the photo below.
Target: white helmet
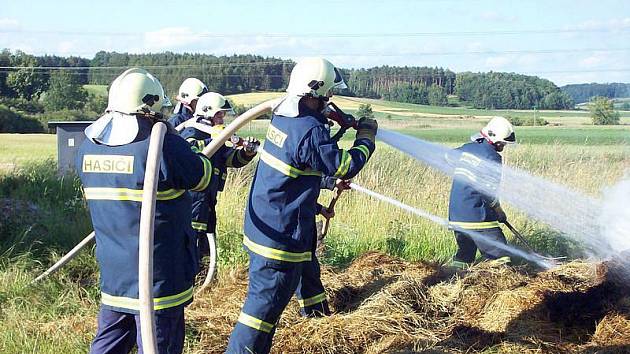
{"x": 314, "y": 77}
{"x": 135, "y": 91}
{"x": 210, "y": 103}
{"x": 190, "y": 90}
{"x": 497, "y": 130}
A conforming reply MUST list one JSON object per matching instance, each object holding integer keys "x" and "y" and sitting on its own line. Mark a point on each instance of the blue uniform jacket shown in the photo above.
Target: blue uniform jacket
{"x": 280, "y": 215}
{"x": 476, "y": 179}
{"x": 204, "y": 202}
{"x": 180, "y": 117}
{"x": 113, "y": 178}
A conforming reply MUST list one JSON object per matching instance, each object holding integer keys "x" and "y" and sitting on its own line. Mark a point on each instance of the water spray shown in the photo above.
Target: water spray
{"x": 573, "y": 213}
{"x": 476, "y": 236}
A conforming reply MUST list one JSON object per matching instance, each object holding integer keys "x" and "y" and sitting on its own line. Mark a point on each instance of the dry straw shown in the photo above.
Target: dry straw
{"x": 386, "y": 305}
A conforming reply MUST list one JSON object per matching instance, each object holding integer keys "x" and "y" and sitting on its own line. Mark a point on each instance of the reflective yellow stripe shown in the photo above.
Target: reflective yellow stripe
{"x": 126, "y": 194}
{"x": 319, "y": 298}
{"x": 363, "y": 149}
{"x": 255, "y": 323}
{"x": 470, "y": 159}
{"x": 475, "y": 225}
{"x": 159, "y": 303}
{"x": 199, "y": 226}
{"x": 344, "y": 164}
{"x": 207, "y": 175}
{"x": 276, "y": 254}
{"x": 284, "y": 168}
{"x": 198, "y": 144}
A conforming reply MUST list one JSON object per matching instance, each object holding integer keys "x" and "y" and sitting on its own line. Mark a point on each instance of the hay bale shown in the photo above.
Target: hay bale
{"x": 399, "y": 310}
{"x": 386, "y": 305}
{"x": 614, "y": 329}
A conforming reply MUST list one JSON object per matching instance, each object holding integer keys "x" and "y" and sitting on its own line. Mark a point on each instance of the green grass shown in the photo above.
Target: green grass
{"x": 97, "y": 90}
{"x": 44, "y": 216}
{"x": 20, "y": 148}
{"x": 433, "y": 115}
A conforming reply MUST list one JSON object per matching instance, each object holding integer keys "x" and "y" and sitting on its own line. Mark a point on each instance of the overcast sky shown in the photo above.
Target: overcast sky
{"x": 566, "y": 41}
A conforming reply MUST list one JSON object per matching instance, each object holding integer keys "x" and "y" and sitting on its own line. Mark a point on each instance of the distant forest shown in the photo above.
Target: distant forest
{"x": 583, "y": 92}
{"x": 27, "y": 76}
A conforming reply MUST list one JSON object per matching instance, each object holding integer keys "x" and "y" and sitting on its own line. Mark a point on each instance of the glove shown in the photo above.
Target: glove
{"x": 501, "y": 217}
{"x": 343, "y": 185}
{"x": 367, "y": 129}
{"x": 251, "y": 145}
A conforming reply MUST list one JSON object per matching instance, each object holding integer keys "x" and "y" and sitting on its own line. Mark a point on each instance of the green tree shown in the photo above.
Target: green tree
{"x": 96, "y": 103}
{"x": 626, "y": 106}
{"x": 5, "y": 60}
{"x": 602, "y": 111}
{"x": 557, "y": 100}
{"x": 26, "y": 83}
{"x": 437, "y": 96}
{"x": 64, "y": 92}
{"x": 365, "y": 110}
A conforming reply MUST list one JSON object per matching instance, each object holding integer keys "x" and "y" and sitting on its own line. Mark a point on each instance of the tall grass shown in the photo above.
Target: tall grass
{"x": 44, "y": 216}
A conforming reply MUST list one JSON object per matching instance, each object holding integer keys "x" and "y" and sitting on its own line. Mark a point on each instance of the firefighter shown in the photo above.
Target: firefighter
{"x": 111, "y": 164}
{"x": 189, "y": 92}
{"x": 209, "y": 113}
{"x": 279, "y": 227}
{"x": 474, "y": 202}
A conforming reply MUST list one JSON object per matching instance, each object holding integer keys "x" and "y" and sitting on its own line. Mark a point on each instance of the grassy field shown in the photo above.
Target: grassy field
{"x": 97, "y": 90}
{"x": 405, "y": 111}
{"x": 16, "y": 149}
{"x": 44, "y": 215}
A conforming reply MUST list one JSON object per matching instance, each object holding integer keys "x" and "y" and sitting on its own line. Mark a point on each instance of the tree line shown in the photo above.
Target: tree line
{"x": 584, "y": 92}
{"x": 496, "y": 90}
{"x": 246, "y": 73}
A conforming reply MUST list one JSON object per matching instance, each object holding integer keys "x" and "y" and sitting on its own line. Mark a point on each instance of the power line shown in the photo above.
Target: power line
{"x": 174, "y": 66}
{"x": 179, "y": 74}
{"x": 323, "y": 35}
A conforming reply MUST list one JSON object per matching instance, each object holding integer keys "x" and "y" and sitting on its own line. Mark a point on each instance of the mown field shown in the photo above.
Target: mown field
{"x": 43, "y": 216}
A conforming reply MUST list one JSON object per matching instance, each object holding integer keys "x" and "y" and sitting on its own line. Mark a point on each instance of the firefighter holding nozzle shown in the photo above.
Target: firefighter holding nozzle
{"x": 280, "y": 233}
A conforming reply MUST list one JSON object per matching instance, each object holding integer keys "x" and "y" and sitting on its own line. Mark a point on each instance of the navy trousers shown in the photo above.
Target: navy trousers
{"x": 467, "y": 247}
{"x": 271, "y": 286}
{"x": 119, "y": 332}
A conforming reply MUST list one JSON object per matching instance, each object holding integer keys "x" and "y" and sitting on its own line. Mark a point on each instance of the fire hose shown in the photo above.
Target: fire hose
{"x": 208, "y": 151}
{"x": 147, "y": 215}
{"x": 524, "y": 241}
{"x": 543, "y": 262}
{"x": 145, "y": 251}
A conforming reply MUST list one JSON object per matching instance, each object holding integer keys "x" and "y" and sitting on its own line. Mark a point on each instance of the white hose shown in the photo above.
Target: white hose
{"x": 145, "y": 252}
{"x": 476, "y": 236}
{"x": 238, "y": 123}
{"x": 68, "y": 257}
{"x": 212, "y": 261}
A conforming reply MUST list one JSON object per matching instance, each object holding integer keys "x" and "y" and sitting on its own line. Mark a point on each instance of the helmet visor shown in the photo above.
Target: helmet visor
{"x": 511, "y": 139}
{"x": 339, "y": 83}
{"x": 227, "y": 107}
